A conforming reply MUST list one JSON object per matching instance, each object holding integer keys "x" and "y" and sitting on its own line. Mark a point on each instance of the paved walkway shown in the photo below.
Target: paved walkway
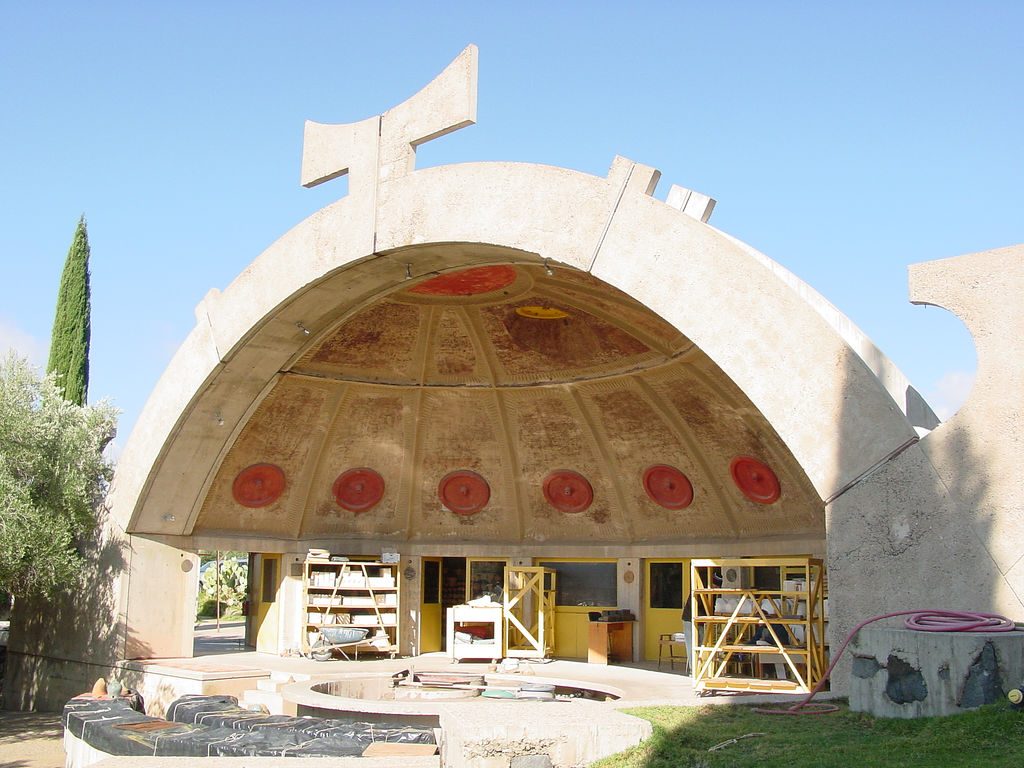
{"x": 31, "y": 740}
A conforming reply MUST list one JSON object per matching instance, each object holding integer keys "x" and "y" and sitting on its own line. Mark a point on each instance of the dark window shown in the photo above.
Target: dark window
{"x": 431, "y": 582}
{"x": 592, "y": 584}
{"x": 666, "y": 585}
{"x": 767, "y": 577}
{"x": 486, "y": 577}
{"x": 269, "y": 581}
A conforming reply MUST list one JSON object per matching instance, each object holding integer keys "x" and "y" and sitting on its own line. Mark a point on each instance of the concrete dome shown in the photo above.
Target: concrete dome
{"x": 510, "y": 373}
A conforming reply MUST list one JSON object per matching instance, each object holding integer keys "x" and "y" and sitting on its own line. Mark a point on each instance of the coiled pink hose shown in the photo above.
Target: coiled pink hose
{"x": 922, "y": 621}
{"x": 956, "y": 621}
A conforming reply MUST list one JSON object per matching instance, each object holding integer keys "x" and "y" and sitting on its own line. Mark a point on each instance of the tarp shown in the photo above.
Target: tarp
{"x": 200, "y": 726}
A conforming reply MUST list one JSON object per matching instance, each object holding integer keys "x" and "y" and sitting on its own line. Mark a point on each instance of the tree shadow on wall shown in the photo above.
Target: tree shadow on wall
{"x": 59, "y": 645}
{"x": 912, "y": 533}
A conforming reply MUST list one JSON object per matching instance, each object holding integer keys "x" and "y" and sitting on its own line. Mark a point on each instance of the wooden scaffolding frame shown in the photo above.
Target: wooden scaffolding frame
{"x": 726, "y": 648}
{"x": 529, "y": 611}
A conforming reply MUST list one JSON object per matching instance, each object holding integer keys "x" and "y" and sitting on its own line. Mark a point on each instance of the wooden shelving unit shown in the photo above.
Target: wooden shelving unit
{"x": 356, "y": 594}
{"x": 727, "y": 616}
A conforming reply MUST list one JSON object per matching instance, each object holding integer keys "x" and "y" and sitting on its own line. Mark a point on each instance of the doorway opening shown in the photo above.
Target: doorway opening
{"x": 451, "y": 581}
{"x": 224, "y": 600}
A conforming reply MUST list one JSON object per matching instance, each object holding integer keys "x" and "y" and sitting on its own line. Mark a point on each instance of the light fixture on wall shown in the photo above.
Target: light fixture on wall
{"x": 547, "y": 267}
{"x": 408, "y": 271}
{"x": 169, "y": 518}
{"x": 219, "y": 418}
{"x": 302, "y": 328}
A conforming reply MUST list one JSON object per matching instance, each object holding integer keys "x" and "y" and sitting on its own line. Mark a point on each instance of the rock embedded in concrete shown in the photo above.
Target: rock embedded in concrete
{"x": 984, "y": 684}
{"x": 905, "y": 683}
{"x": 865, "y": 667}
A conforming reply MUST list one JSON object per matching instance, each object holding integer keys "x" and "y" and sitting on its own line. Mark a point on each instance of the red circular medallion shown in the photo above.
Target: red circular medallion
{"x": 357, "y": 490}
{"x": 258, "y": 485}
{"x": 755, "y": 479}
{"x": 668, "y": 486}
{"x": 568, "y": 491}
{"x": 464, "y": 492}
{"x": 468, "y": 282}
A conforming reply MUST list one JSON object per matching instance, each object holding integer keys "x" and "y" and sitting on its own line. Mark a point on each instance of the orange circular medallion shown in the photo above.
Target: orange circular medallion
{"x": 755, "y": 479}
{"x": 464, "y": 492}
{"x": 568, "y": 491}
{"x": 258, "y": 485}
{"x": 357, "y": 490}
{"x": 668, "y": 487}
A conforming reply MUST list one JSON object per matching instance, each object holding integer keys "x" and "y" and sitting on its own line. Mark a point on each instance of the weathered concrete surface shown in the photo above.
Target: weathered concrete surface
{"x": 765, "y": 340}
{"x": 941, "y": 525}
{"x": 160, "y": 684}
{"x": 977, "y": 452}
{"x": 904, "y": 673}
{"x": 495, "y": 737}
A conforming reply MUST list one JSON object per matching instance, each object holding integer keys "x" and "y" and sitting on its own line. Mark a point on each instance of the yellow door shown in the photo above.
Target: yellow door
{"x": 431, "y": 624}
{"x": 665, "y": 591}
{"x": 266, "y": 611}
{"x": 583, "y": 586}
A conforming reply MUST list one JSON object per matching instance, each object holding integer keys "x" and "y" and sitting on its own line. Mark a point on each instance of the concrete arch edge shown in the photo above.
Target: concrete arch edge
{"x": 825, "y": 403}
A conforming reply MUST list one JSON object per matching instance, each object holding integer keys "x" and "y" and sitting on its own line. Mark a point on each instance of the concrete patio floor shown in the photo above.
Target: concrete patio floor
{"x": 640, "y": 683}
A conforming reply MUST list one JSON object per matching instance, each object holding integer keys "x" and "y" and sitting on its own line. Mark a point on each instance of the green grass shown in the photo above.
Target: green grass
{"x": 227, "y": 618}
{"x": 990, "y": 736}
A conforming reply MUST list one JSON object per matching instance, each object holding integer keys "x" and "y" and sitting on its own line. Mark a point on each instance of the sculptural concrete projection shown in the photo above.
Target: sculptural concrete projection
{"x": 524, "y": 363}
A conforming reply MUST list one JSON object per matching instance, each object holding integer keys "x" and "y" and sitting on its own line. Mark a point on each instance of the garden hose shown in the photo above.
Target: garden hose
{"x": 921, "y": 621}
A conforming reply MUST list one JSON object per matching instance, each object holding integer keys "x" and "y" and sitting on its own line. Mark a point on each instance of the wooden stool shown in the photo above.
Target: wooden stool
{"x": 665, "y": 641}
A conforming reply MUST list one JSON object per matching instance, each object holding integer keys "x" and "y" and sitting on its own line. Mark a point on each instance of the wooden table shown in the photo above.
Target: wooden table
{"x": 610, "y": 641}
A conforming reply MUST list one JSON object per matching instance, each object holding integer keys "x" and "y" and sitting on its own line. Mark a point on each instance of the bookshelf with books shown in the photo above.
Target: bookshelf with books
{"x": 362, "y": 595}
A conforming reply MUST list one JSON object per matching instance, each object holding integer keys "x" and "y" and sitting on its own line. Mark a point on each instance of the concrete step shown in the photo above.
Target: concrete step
{"x": 271, "y": 685}
{"x": 273, "y": 701}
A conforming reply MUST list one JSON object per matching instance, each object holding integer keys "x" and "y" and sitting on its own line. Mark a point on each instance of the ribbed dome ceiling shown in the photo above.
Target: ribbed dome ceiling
{"x": 496, "y": 326}
{"x": 519, "y": 380}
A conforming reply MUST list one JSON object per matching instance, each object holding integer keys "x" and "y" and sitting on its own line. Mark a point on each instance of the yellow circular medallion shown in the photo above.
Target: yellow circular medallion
{"x": 542, "y": 313}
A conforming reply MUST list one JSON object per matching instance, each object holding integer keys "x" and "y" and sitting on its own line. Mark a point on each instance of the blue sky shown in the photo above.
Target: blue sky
{"x": 845, "y": 141}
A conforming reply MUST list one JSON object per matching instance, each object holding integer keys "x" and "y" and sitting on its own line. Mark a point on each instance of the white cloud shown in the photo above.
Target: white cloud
{"x": 23, "y": 343}
{"x": 950, "y": 392}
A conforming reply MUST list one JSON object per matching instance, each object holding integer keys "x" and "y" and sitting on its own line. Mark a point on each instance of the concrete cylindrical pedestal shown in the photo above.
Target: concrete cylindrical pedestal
{"x": 905, "y": 673}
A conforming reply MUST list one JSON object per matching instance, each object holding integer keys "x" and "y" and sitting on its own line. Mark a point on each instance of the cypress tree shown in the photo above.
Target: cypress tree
{"x": 69, "y": 343}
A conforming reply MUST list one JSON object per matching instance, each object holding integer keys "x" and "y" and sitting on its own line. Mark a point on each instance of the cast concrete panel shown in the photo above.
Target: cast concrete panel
{"x": 977, "y": 451}
{"x": 899, "y": 541}
{"x": 137, "y": 599}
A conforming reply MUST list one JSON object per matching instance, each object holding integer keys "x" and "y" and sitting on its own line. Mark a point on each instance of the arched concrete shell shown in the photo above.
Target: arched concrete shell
{"x": 910, "y": 523}
{"x": 825, "y": 405}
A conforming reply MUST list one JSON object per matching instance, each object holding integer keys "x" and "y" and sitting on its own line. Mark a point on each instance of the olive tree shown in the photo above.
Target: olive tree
{"x": 53, "y": 478}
